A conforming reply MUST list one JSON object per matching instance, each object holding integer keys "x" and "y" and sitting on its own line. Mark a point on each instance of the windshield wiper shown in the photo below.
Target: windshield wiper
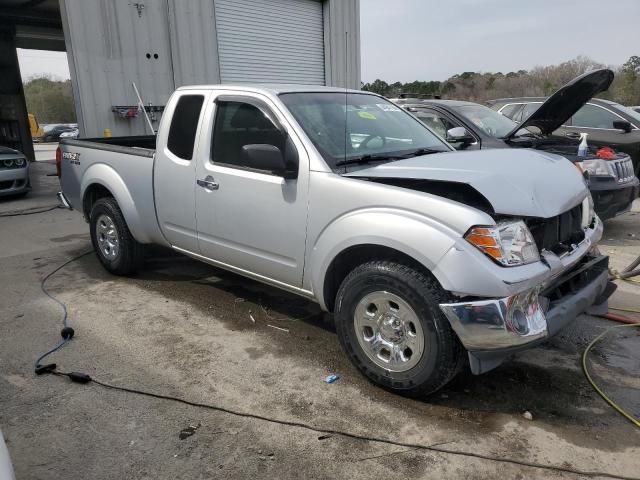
{"x": 368, "y": 158}
{"x": 422, "y": 151}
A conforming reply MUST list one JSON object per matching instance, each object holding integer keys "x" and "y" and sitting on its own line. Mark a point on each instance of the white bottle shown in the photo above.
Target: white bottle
{"x": 583, "y": 148}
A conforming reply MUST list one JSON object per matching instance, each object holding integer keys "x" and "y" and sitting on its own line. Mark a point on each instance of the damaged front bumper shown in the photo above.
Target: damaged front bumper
{"x": 493, "y": 329}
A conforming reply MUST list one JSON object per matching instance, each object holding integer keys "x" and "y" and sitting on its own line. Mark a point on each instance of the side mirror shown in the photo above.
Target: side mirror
{"x": 622, "y": 125}
{"x": 263, "y": 156}
{"x": 459, "y": 135}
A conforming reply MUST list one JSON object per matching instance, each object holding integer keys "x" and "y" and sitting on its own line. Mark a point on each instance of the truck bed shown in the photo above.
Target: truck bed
{"x": 125, "y": 164}
{"x": 141, "y": 145}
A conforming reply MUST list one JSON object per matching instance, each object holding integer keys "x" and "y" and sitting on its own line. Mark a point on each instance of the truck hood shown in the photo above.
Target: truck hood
{"x": 519, "y": 182}
{"x": 561, "y": 106}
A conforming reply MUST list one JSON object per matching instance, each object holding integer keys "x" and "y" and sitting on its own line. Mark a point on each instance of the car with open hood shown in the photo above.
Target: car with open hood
{"x": 428, "y": 258}
{"x": 471, "y": 126}
{"x": 607, "y": 123}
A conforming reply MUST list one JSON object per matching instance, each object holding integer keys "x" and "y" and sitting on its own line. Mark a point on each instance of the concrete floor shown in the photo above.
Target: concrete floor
{"x": 183, "y": 328}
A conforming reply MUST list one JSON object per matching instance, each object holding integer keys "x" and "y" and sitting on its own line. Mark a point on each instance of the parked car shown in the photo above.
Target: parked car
{"x": 607, "y": 123}
{"x": 635, "y": 108}
{"x": 74, "y": 133}
{"x": 52, "y": 133}
{"x": 470, "y": 126}
{"x": 422, "y": 253}
{"x": 14, "y": 172}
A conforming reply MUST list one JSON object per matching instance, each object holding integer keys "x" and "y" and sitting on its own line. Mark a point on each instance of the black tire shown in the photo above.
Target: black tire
{"x": 443, "y": 354}
{"x": 130, "y": 253}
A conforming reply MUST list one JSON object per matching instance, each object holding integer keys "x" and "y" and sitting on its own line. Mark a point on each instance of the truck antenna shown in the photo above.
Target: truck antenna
{"x": 141, "y": 105}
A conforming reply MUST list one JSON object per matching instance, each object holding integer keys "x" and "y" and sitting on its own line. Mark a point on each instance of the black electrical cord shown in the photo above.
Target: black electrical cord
{"x": 83, "y": 378}
{"x": 21, "y": 213}
{"x": 67, "y": 332}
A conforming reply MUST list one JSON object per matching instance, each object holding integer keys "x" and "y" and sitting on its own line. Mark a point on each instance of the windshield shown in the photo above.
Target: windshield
{"x": 492, "y": 122}
{"x": 345, "y": 126}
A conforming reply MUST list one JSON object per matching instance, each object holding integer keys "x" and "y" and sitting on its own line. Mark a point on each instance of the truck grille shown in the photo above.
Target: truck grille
{"x": 557, "y": 234}
{"x": 622, "y": 169}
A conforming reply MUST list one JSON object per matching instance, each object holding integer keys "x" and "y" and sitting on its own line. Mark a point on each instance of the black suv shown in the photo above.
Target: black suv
{"x": 607, "y": 123}
{"x": 468, "y": 125}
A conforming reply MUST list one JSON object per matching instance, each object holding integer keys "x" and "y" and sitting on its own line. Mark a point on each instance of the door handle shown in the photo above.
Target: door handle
{"x": 572, "y": 135}
{"x": 208, "y": 183}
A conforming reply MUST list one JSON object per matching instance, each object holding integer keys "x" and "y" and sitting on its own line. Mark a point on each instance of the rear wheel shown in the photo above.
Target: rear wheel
{"x": 390, "y": 325}
{"x": 112, "y": 241}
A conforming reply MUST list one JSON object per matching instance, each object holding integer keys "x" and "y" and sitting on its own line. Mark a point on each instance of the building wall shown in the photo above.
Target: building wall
{"x": 14, "y": 127}
{"x": 167, "y": 44}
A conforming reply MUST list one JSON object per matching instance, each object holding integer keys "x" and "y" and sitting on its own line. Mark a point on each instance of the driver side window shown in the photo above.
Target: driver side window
{"x": 238, "y": 124}
{"x": 435, "y": 121}
{"x": 590, "y": 116}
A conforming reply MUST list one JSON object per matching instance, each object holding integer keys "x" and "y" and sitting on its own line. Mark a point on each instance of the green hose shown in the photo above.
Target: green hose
{"x": 604, "y": 396}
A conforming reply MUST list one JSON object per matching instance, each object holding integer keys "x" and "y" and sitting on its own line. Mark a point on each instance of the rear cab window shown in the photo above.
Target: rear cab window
{"x": 184, "y": 123}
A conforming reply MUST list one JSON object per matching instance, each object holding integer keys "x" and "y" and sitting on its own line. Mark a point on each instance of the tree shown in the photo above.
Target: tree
{"x": 51, "y": 101}
{"x": 628, "y": 79}
{"x": 538, "y": 81}
{"x": 378, "y": 86}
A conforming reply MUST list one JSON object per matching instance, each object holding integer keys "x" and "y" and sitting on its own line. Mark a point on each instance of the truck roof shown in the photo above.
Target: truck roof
{"x": 273, "y": 89}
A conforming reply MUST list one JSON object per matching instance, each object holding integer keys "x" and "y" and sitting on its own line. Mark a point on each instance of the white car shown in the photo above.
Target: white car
{"x": 70, "y": 134}
{"x": 6, "y": 470}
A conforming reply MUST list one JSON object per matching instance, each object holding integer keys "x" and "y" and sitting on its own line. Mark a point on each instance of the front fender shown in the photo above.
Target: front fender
{"x": 106, "y": 176}
{"x": 420, "y": 237}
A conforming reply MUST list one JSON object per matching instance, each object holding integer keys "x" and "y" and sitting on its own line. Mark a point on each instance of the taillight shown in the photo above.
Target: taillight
{"x": 58, "y": 162}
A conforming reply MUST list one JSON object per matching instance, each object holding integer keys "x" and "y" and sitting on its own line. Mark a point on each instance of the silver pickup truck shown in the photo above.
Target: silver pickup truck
{"x": 426, "y": 256}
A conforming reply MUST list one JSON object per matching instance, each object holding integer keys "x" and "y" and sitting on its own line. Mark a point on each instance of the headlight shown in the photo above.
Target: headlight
{"x": 508, "y": 243}
{"x": 8, "y": 163}
{"x": 19, "y": 162}
{"x": 588, "y": 211}
{"x": 597, "y": 167}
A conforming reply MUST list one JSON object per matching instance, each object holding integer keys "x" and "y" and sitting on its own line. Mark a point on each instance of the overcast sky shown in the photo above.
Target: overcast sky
{"x": 40, "y": 62}
{"x": 405, "y": 40}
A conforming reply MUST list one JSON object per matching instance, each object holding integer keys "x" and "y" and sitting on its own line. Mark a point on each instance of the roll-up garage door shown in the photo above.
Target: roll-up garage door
{"x": 270, "y": 41}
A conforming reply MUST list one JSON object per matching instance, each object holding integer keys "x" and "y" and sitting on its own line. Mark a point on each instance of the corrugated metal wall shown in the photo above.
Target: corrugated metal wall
{"x": 170, "y": 43}
{"x": 194, "y": 43}
{"x": 276, "y": 41}
{"x": 342, "y": 43}
{"x": 109, "y": 46}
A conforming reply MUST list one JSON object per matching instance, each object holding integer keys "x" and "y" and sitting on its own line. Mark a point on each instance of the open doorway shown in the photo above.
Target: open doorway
{"x": 48, "y": 98}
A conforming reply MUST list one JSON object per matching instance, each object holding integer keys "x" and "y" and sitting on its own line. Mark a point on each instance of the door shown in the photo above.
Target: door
{"x": 175, "y": 170}
{"x": 273, "y": 41}
{"x": 597, "y": 121}
{"x": 441, "y": 123}
{"x": 250, "y": 218}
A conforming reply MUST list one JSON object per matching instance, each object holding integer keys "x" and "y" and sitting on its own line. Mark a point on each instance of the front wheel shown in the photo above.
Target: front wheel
{"x": 112, "y": 241}
{"x": 390, "y": 325}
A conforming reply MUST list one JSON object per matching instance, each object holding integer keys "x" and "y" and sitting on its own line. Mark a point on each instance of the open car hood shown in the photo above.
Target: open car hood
{"x": 561, "y": 106}
{"x": 515, "y": 181}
